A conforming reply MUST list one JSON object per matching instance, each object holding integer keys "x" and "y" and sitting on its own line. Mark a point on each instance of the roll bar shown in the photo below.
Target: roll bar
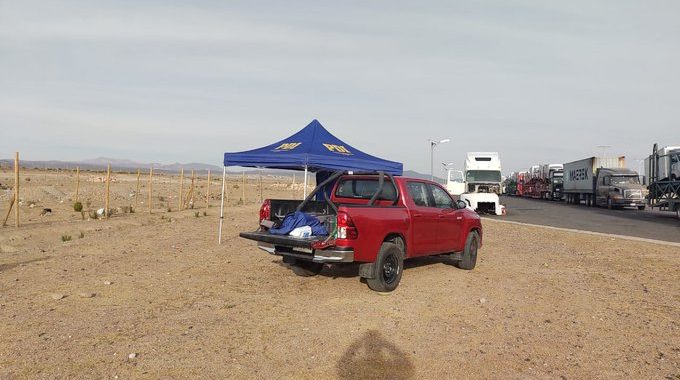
{"x": 336, "y": 175}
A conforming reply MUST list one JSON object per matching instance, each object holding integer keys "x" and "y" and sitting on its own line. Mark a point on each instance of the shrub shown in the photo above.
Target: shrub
{"x": 205, "y": 213}
{"x": 196, "y": 214}
{"x": 65, "y": 238}
{"x": 161, "y": 198}
{"x": 82, "y": 235}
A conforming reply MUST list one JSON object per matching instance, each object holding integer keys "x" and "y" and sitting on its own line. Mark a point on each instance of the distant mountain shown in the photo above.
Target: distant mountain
{"x": 100, "y": 163}
{"x": 415, "y": 174}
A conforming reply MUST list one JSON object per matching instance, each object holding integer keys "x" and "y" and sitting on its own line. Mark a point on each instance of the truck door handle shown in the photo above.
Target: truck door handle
{"x": 416, "y": 215}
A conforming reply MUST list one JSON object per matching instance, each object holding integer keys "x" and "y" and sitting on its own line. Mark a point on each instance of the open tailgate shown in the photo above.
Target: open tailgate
{"x": 282, "y": 240}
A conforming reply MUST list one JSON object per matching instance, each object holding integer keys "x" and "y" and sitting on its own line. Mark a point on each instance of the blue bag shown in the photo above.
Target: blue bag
{"x": 299, "y": 219}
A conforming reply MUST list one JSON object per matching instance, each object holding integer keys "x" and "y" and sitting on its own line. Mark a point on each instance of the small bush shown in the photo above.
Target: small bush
{"x": 205, "y": 213}
{"x": 93, "y": 214}
{"x": 169, "y": 209}
{"x": 77, "y": 207}
{"x": 132, "y": 210}
{"x": 161, "y": 198}
{"x": 196, "y": 214}
{"x": 235, "y": 186}
{"x": 65, "y": 238}
{"x": 81, "y": 235}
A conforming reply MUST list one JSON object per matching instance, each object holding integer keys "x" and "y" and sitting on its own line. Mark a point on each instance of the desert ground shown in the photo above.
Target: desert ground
{"x": 152, "y": 295}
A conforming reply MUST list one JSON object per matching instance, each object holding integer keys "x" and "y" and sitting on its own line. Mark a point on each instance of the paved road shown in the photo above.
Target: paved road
{"x": 646, "y": 224}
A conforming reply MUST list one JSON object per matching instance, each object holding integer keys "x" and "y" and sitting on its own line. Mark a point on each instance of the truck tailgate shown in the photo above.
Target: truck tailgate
{"x": 283, "y": 240}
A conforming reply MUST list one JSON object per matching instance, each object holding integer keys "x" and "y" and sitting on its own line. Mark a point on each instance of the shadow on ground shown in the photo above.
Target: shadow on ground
{"x": 373, "y": 357}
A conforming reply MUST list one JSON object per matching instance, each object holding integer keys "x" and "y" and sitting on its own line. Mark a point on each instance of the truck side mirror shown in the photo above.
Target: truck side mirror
{"x": 461, "y": 204}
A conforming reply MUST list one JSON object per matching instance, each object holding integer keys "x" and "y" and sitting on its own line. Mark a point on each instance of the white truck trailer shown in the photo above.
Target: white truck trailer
{"x": 483, "y": 182}
{"x": 455, "y": 182}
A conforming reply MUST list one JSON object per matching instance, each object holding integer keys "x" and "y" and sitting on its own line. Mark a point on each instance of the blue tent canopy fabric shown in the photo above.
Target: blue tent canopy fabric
{"x": 316, "y": 149}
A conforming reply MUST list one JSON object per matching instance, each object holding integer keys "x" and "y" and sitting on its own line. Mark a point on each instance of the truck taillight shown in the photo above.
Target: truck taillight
{"x": 346, "y": 227}
{"x": 266, "y": 210}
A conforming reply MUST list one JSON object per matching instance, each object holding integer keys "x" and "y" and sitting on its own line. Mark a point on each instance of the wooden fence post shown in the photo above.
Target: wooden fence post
{"x": 150, "y": 189}
{"x": 139, "y": 172}
{"x": 261, "y": 186}
{"x": 16, "y": 189}
{"x": 207, "y": 194}
{"x": 181, "y": 189}
{"x": 108, "y": 185}
{"x": 193, "y": 188}
{"x": 77, "y": 182}
{"x": 244, "y": 187}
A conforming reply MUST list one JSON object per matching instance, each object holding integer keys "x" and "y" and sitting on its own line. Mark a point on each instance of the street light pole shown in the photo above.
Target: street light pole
{"x": 434, "y": 143}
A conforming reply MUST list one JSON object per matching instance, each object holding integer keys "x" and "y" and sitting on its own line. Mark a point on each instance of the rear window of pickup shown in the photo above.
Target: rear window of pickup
{"x": 364, "y": 188}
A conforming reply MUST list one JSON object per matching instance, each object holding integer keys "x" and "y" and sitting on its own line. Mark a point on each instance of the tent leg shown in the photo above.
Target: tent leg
{"x": 224, "y": 177}
{"x": 304, "y": 192}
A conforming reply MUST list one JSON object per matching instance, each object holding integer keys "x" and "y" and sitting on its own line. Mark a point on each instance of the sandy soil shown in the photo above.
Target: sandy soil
{"x": 540, "y": 304}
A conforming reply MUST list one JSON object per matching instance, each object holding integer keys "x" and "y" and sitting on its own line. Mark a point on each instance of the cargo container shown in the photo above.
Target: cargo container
{"x": 603, "y": 181}
{"x": 662, "y": 168}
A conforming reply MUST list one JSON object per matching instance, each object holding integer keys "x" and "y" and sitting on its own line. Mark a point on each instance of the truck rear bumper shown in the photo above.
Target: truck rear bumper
{"x": 329, "y": 255}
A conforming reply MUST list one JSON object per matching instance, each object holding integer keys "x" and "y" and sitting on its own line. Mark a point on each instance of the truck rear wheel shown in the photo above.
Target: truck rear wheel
{"x": 387, "y": 268}
{"x": 470, "y": 253}
{"x": 306, "y": 268}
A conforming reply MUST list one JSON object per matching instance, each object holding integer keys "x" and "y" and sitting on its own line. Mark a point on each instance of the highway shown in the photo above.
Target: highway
{"x": 630, "y": 222}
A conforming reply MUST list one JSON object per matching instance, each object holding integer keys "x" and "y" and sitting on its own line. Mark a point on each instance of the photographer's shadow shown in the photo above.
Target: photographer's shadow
{"x": 373, "y": 357}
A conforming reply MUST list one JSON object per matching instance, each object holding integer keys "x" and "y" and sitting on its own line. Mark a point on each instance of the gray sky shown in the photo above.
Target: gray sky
{"x": 169, "y": 81}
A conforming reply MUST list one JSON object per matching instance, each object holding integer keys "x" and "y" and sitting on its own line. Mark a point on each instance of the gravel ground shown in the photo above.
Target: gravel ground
{"x": 154, "y": 296}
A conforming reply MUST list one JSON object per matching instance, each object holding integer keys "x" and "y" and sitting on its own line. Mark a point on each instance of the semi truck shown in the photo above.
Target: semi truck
{"x": 603, "y": 181}
{"x": 662, "y": 168}
{"x": 483, "y": 182}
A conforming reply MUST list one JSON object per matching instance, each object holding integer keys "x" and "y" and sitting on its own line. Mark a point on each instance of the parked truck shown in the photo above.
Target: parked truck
{"x": 377, "y": 221}
{"x": 662, "y": 169}
{"x": 483, "y": 182}
{"x": 603, "y": 181}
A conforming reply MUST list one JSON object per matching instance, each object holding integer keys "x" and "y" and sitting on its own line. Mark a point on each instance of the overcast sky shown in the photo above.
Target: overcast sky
{"x": 168, "y": 81}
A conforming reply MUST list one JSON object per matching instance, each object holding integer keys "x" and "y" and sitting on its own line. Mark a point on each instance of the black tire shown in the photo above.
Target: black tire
{"x": 609, "y": 204}
{"x": 641, "y": 208}
{"x": 306, "y": 268}
{"x": 388, "y": 268}
{"x": 470, "y": 253}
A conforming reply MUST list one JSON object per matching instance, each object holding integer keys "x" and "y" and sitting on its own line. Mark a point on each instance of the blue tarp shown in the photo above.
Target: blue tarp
{"x": 314, "y": 147}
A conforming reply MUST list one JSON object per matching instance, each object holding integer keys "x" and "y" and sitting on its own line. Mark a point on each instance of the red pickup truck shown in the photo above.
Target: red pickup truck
{"x": 377, "y": 221}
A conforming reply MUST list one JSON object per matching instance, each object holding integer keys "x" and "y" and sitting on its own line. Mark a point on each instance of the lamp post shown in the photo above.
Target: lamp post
{"x": 434, "y": 143}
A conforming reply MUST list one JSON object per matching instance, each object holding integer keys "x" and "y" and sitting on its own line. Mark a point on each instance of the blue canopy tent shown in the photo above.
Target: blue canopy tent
{"x": 311, "y": 149}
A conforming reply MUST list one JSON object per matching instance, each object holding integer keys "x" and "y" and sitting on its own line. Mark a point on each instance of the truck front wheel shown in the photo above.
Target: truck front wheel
{"x": 387, "y": 268}
{"x": 470, "y": 253}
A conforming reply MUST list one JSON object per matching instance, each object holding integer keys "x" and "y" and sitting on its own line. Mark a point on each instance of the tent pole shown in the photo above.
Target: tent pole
{"x": 224, "y": 176}
{"x": 304, "y": 192}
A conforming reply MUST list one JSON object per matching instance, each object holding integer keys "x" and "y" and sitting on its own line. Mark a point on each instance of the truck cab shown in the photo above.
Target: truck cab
{"x": 483, "y": 182}
{"x": 619, "y": 187}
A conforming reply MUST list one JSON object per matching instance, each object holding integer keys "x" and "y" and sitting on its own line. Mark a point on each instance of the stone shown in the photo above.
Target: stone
{"x": 482, "y": 300}
{"x": 87, "y": 294}
{"x": 132, "y": 356}
{"x": 57, "y": 296}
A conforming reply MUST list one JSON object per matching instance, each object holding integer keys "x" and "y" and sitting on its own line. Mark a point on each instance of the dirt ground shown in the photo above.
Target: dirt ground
{"x": 153, "y": 296}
